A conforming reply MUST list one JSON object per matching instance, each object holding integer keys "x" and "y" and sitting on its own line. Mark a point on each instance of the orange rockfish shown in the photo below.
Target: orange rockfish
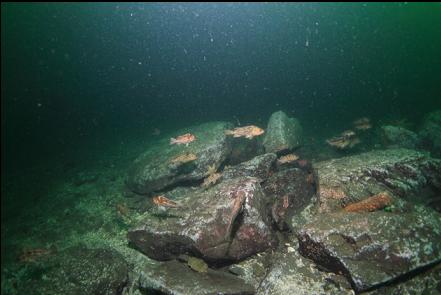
{"x": 183, "y": 139}
{"x": 165, "y": 202}
{"x": 288, "y": 158}
{"x": 247, "y": 131}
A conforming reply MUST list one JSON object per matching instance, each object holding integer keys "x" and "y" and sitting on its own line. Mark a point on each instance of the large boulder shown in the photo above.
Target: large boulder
{"x": 372, "y": 249}
{"x": 227, "y": 221}
{"x": 79, "y": 270}
{"x": 431, "y": 132}
{"x": 396, "y": 137}
{"x": 282, "y": 133}
{"x": 400, "y": 172}
{"x": 154, "y": 170}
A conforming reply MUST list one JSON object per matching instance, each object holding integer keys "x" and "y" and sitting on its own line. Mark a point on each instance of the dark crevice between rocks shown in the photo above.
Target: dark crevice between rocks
{"x": 236, "y": 224}
{"x": 428, "y": 196}
{"x": 403, "y": 278}
{"x": 322, "y": 257}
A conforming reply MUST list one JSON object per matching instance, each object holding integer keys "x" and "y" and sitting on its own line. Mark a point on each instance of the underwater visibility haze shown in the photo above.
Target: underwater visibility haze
{"x": 221, "y": 148}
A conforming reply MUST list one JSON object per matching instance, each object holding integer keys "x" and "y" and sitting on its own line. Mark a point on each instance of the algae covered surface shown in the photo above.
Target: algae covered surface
{"x": 221, "y": 148}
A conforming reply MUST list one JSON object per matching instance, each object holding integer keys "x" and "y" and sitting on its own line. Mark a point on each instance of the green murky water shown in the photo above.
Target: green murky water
{"x": 87, "y": 88}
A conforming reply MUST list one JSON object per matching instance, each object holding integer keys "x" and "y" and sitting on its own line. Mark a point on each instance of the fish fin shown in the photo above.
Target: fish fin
{"x": 228, "y": 132}
{"x": 249, "y": 136}
{"x": 172, "y": 140}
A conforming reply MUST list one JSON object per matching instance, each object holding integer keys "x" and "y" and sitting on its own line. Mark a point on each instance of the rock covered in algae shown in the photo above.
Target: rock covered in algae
{"x": 80, "y": 270}
{"x": 400, "y": 172}
{"x": 291, "y": 273}
{"x": 396, "y": 136}
{"x": 152, "y": 170}
{"x": 282, "y": 133}
{"x": 375, "y": 248}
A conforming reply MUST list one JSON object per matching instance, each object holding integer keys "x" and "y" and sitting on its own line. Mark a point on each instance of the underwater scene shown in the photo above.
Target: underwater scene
{"x": 220, "y": 148}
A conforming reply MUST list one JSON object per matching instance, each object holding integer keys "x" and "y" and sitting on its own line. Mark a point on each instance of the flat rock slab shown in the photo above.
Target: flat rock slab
{"x": 228, "y": 221}
{"x": 401, "y": 172}
{"x": 153, "y": 170}
{"x": 173, "y": 277}
{"x": 291, "y": 273}
{"x": 375, "y": 248}
{"x": 282, "y": 133}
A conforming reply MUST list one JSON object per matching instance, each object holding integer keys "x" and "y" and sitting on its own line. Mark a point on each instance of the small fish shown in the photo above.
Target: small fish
{"x": 288, "y": 158}
{"x": 285, "y": 202}
{"x": 184, "y": 158}
{"x": 211, "y": 179}
{"x": 310, "y": 178}
{"x": 32, "y": 255}
{"x": 197, "y": 264}
{"x": 342, "y": 142}
{"x": 247, "y": 131}
{"x": 183, "y": 139}
{"x": 362, "y": 124}
{"x": 162, "y": 201}
{"x": 362, "y": 121}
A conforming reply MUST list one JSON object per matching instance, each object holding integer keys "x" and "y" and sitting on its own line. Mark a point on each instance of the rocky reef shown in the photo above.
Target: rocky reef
{"x": 225, "y": 215}
{"x": 373, "y": 249}
{"x": 356, "y": 223}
